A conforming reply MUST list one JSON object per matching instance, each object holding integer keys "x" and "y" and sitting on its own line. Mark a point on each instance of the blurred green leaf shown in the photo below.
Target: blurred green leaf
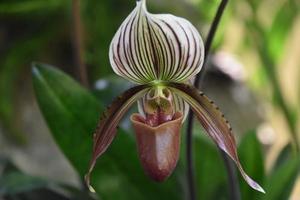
{"x": 14, "y": 62}
{"x": 17, "y": 182}
{"x": 101, "y": 25}
{"x": 6, "y": 166}
{"x": 210, "y": 173}
{"x": 72, "y": 114}
{"x": 282, "y": 25}
{"x": 285, "y": 154}
{"x": 208, "y": 9}
{"x": 254, "y": 4}
{"x": 251, "y": 157}
{"x": 280, "y": 183}
{"x": 29, "y": 6}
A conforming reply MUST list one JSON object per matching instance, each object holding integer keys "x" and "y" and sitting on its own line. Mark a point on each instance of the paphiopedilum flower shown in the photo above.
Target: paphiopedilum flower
{"x": 160, "y": 53}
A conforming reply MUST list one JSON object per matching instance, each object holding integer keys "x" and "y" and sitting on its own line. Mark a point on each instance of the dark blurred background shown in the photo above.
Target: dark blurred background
{"x": 253, "y": 75}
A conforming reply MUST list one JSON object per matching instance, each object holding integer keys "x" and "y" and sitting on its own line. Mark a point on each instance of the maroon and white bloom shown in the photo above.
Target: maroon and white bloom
{"x": 160, "y": 53}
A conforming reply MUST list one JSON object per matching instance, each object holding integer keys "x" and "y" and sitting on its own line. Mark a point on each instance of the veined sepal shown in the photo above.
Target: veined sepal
{"x": 214, "y": 123}
{"x": 151, "y": 47}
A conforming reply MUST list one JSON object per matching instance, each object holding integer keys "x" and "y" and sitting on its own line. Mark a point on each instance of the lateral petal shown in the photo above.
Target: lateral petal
{"x": 106, "y": 129}
{"x": 214, "y": 123}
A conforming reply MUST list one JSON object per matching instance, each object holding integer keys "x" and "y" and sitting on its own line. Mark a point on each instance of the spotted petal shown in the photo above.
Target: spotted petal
{"x": 149, "y": 47}
{"x": 214, "y": 123}
{"x": 106, "y": 129}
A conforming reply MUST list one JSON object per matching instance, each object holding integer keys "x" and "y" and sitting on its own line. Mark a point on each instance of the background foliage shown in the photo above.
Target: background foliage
{"x": 253, "y": 75}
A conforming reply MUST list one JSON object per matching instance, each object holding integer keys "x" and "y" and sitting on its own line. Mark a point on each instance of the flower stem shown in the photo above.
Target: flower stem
{"x": 189, "y": 156}
{"x": 210, "y": 37}
{"x": 199, "y": 77}
{"x": 78, "y": 44}
{"x": 234, "y": 188}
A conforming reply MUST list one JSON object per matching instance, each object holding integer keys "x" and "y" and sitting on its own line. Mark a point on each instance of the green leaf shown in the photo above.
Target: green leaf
{"x": 280, "y": 184}
{"x": 66, "y": 107}
{"x": 251, "y": 157}
{"x": 285, "y": 154}
{"x": 72, "y": 114}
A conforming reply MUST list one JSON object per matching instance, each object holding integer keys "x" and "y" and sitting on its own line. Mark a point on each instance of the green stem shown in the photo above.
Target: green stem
{"x": 234, "y": 188}
{"x": 199, "y": 77}
{"x": 209, "y": 40}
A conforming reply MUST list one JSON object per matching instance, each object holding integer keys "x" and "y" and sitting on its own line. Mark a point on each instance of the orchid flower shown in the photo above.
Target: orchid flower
{"x": 160, "y": 53}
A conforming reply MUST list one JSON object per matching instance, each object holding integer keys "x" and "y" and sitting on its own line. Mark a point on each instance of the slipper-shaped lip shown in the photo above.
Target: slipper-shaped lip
{"x": 159, "y": 146}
